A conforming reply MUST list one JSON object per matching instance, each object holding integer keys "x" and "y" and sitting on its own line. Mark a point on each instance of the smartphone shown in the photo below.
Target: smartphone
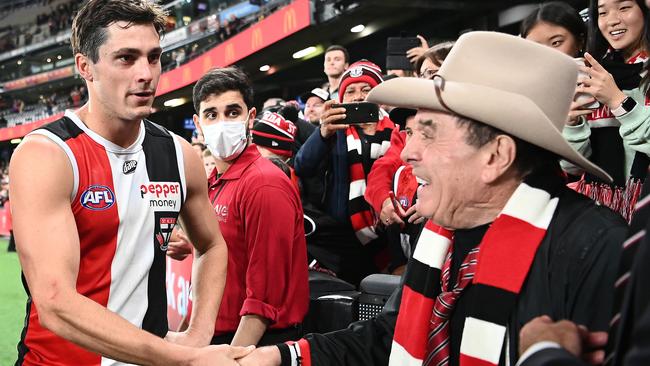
{"x": 356, "y": 113}
{"x": 583, "y": 97}
{"x": 396, "y": 48}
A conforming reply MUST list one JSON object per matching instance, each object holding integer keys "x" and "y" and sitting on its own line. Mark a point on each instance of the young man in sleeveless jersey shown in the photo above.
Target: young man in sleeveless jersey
{"x": 93, "y": 224}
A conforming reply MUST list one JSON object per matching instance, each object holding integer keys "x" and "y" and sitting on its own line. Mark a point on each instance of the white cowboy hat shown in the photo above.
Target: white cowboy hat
{"x": 518, "y": 86}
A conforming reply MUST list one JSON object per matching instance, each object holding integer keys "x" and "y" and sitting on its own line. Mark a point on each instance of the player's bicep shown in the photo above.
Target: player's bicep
{"x": 43, "y": 223}
{"x": 197, "y": 215}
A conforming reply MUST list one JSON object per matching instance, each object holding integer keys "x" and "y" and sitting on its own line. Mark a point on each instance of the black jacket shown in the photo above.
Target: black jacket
{"x": 571, "y": 278}
{"x": 632, "y": 345}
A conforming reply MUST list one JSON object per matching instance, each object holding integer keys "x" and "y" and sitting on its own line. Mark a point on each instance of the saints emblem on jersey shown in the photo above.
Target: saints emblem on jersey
{"x": 165, "y": 222}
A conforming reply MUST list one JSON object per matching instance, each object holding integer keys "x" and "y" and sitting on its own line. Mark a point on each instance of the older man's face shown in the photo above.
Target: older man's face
{"x": 446, "y": 163}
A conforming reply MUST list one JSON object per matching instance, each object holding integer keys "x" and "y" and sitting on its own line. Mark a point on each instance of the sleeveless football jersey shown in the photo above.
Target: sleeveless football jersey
{"x": 125, "y": 203}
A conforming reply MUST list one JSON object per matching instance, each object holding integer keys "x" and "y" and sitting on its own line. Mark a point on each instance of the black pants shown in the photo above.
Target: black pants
{"x": 270, "y": 337}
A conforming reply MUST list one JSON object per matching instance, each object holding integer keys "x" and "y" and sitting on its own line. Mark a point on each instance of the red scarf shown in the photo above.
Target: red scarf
{"x": 361, "y": 216}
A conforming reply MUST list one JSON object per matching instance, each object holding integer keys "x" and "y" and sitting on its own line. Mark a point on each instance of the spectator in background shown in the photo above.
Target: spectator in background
{"x": 274, "y": 137}
{"x": 558, "y": 25}
{"x": 349, "y": 152}
{"x": 390, "y": 173}
{"x": 208, "y": 162}
{"x": 291, "y": 112}
{"x": 336, "y": 61}
{"x": 429, "y": 63}
{"x": 266, "y": 294}
{"x": 314, "y": 101}
{"x": 615, "y": 135}
{"x": 273, "y": 104}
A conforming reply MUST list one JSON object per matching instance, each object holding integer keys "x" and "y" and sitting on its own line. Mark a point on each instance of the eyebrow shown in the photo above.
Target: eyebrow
{"x": 428, "y": 124}
{"x": 615, "y": 2}
{"x": 135, "y": 51}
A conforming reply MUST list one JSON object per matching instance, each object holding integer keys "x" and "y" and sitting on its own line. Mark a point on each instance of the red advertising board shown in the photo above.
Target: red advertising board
{"x": 279, "y": 25}
{"x": 179, "y": 298}
{"x": 22, "y": 130}
{"x": 39, "y": 78}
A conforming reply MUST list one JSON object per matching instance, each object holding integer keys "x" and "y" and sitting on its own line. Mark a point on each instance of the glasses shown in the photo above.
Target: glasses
{"x": 428, "y": 73}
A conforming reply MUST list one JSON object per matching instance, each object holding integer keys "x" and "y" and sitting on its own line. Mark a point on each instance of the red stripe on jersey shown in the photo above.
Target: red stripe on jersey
{"x": 98, "y": 242}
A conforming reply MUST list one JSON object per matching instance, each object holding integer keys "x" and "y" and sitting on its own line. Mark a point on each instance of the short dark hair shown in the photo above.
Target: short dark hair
{"x": 90, "y": 23}
{"x": 220, "y": 80}
{"x": 336, "y": 47}
{"x": 560, "y": 14}
{"x": 436, "y": 54}
{"x": 529, "y": 158}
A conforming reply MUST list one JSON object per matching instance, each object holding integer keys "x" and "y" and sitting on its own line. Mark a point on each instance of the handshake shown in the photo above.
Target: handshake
{"x": 226, "y": 355}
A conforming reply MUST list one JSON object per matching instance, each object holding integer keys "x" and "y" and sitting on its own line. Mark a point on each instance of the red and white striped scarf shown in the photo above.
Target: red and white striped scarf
{"x": 361, "y": 215}
{"x": 507, "y": 252}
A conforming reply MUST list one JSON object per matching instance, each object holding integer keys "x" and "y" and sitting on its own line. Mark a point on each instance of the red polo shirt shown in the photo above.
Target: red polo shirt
{"x": 261, "y": 219}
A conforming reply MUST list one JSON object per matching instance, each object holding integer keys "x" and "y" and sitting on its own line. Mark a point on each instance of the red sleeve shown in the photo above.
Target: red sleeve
{"x": 380, "y": 179}
{"x": 270, "y": 218}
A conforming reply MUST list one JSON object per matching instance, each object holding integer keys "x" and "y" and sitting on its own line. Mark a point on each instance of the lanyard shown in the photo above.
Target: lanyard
{"x": 218, "y": 193}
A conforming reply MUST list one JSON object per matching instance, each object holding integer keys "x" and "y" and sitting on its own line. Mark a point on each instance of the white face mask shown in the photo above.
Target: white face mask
{"x": 226, "y": 139}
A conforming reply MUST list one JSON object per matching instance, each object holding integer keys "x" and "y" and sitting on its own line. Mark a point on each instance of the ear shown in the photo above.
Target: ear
{"x": 195, "y": 118}
{"x": 499, "y": 157}
{"x": 251, "y": 117}
{"x": 83, "y": 64}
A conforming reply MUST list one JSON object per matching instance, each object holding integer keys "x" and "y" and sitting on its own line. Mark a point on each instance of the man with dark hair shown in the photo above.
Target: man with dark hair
{"x": 260, "y": 215}
{"x": 336, "y": 61}
{"x": 93, "y": 224}
{"x": 506, "y": 240}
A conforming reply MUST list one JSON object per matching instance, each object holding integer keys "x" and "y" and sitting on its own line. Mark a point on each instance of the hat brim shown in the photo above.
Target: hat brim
{"x": 512, "y": 113}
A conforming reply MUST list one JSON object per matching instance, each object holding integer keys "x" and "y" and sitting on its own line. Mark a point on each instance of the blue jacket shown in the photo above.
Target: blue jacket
{"x": 337, "y": 184}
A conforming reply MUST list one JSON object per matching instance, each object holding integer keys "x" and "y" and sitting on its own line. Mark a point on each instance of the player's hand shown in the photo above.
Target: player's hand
{"x": 222, "y": 355}
{"x": 328, "y": 119}
{"x": 179, "y": 246}
{"x": 188, "y": 338}
{"x": 264, "y": 356}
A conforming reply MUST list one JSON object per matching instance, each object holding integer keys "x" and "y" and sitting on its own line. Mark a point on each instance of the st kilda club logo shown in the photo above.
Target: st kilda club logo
{"x": 165, "y": 222}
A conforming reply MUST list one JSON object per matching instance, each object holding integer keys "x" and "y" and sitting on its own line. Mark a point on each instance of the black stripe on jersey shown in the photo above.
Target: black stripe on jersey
{"x": 429, "y": 284}
{"x": 64, "y": 128}
{"x": 162, "y": 166}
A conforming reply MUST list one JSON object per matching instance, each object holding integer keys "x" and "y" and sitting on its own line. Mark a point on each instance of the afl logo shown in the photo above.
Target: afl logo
{"x": 97, "y": 198}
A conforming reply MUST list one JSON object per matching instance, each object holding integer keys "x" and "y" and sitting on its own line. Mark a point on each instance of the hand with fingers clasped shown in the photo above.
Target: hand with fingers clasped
{"x": 263, "y": 356}
{"x": 394, "y": 214}
{"x": 329, "y": 118}
{"x": 576, "y": 339}
{"x": 599, "y": 83}
{"x": 221, "y": 355}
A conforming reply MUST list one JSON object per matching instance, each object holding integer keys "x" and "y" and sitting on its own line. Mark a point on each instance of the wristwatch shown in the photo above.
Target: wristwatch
{"x": 625, "y": 107}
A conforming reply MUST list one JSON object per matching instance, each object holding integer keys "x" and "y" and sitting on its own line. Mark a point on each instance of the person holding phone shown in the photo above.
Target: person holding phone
{"x": 350, "y": 150}
{"x": 614, "y": 136}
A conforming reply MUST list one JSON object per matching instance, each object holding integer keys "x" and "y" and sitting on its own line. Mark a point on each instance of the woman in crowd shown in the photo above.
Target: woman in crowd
{"x": 557, "y": 25}
{"x": 614, "y": 132}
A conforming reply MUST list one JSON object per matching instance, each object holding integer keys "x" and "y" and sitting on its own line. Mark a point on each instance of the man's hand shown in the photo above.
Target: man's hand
{"x": 388, "y": 216}
{"x": 265, "y": 356}
{"x": 179, "y": 246}
{"x": 413, "y": 216}
{"x": 328, "y": 119}
{"x": 575, "y": 339}
{"x": 222, "y": 355}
